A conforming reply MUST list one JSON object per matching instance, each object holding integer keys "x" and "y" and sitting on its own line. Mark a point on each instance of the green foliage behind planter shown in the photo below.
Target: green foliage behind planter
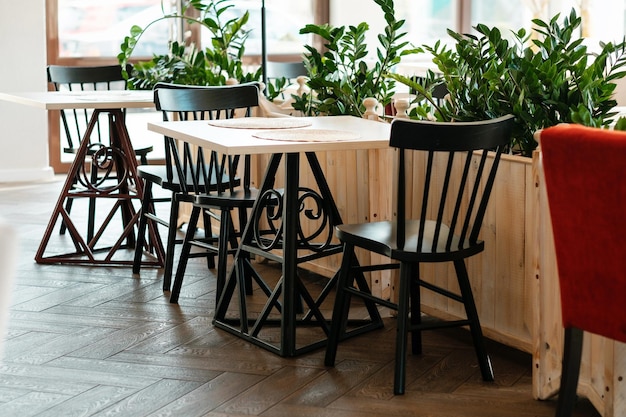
{"x": 342, "y": 76}
{"x": 187, "y": 64}
{"x": 554, "y": 80}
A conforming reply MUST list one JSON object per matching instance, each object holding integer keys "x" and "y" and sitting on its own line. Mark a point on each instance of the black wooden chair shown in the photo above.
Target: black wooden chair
{"x": 287, "y": 69}
{"x": 234, "y": 193}
{"x": 189, "y": 174}
{"x": 75, "y": 121}
{"x": 438, "y": 91}
{"x": 281, "y": 74}
{"x": 71, "y": 78}
{"x": 441, "y": 224}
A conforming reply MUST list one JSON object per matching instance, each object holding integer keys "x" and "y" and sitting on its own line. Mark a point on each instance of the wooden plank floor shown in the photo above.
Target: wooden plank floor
{"x": 95, "y": 341}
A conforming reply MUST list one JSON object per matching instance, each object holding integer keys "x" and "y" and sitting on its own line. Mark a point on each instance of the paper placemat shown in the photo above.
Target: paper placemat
{"x": 307, "y": 135}
{"x": 261, "y": 123}
{"x": 105, "y": 95}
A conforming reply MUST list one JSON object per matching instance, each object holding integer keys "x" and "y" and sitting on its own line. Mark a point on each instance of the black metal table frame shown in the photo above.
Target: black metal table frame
{"x": 289, "y": 293}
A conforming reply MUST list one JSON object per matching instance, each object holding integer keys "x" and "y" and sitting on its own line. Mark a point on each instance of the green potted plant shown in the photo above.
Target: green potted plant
{"x": 343, "y": 75}
{"x": 542, "y": 78}
{"x": 188, "y": 64}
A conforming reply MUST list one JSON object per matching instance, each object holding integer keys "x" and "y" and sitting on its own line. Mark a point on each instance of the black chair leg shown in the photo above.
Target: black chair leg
{"x": 243, "y": 219}
{"x": 406, "y": 275}
{"x": 472, "y": 315}
{"x": 91, "y": 216}
{"x": 141, "y": 228}
{"x": 416, "y": 312}
{"x": 170, "y": 247}
{"x": 570, "y": 370}
{"x": 184, "y": 254}
{"x": 342, "y": 306}
{"x": 208, "y": 236}
{"x": 222, "y": 250}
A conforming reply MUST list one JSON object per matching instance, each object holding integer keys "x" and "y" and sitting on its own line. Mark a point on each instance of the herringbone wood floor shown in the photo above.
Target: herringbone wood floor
{"x": 94, "y": 341}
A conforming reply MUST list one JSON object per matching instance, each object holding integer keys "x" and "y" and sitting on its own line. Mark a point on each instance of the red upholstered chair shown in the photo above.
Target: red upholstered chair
{"x": 584, "y": 173}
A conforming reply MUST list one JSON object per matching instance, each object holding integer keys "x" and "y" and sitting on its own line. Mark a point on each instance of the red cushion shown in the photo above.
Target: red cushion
{"x": 585, "y": 173}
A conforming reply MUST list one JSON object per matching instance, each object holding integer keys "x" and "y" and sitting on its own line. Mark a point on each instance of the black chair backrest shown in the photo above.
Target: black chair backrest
{"x": 70, "y": 78}
{"x": 280, "y": 75}
{"x": 181, "y": 102}
{"x": 438, "y": 91}
{"x": 289, "y": 70}
{"x": 88, "y": 76}
{"x": 459, "y": 167}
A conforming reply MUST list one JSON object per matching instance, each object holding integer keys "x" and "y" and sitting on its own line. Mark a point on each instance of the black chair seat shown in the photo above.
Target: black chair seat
{"x": 158, "y": 174}
{"x": 381, "y": 237}
{"x": 238, "y": 198}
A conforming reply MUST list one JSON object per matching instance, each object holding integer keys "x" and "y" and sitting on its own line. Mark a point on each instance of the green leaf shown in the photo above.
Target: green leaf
{"x": 136, "y": 31}
{"x": 620, "y": 124}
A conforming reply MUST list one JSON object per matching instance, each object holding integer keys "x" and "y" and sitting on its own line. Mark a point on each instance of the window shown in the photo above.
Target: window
{"x": 96, "y": 29}
{"x": 506, "y": 15}
{"x": 283, "y": 21}
{"x": 90, "y": 33}
{"x": 428, "y": 21}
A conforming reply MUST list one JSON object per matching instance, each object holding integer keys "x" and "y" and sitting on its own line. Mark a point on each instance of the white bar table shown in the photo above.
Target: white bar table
{"x": 289, "y": 246}
{"x": 116, "y": 161}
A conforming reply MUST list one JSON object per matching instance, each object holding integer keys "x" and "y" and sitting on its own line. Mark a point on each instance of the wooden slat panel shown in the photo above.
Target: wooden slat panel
{"x": 509, "y": 296}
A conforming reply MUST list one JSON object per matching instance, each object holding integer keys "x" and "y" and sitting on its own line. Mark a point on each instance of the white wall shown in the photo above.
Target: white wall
{"x": 23, "y": 129}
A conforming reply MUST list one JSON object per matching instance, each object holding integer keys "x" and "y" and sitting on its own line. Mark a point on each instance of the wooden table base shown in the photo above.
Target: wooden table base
{"x": 111, "y": 179}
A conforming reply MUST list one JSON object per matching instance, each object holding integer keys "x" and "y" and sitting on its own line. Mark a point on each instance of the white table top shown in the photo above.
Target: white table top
{"x": 371, "y": 135}
{"x": 104, "y": 99}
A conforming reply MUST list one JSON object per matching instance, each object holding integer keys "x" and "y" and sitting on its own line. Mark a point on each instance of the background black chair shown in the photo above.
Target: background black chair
{"x": 584, "y": 170}
{"x": 192, "y": 174}
{"x": 70, "y": 78}
{"x": 281, "y": 75}
{"x": 233, "y": 192}
{"x": 74, "y": 122}
{"x": 285, "y": 69}
{"x": 442, "y": 226}
{"x": 438, "y": 91}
